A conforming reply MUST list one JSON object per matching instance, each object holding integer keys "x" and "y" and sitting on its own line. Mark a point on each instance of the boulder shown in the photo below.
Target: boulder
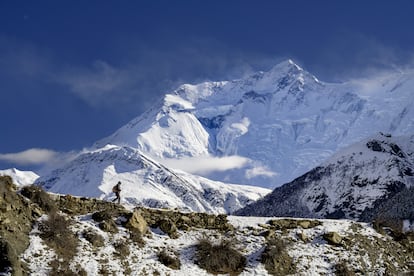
{"x": 137, "y": 223}
{"x": 333, "y": 238}
{"x": 303, "y": 237}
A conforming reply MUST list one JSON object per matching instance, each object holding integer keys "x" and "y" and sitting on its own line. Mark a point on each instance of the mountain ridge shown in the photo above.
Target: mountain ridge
{"x": 145, "y": 182}
{"x": 284, "y": 121}
{"x": 263, "y": 130}
{"x": 351, "y": 184}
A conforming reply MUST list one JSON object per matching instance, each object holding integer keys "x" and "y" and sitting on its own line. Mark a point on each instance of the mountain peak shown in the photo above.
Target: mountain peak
{"x": 21, "y": 178}
{"x": 286, "y": 66}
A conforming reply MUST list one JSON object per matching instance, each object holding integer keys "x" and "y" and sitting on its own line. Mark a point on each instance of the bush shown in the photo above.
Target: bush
{"x": 93, "y": 238}
{"x": 276, "y": 259}
{"x": 169, "y": 258}
{"x": 137, "y": 238}
{"x": 219, "y": 258}
{"x": 103, "y": 215}
{"x": 122, "y": 249}
{"x": 57, "y": 235}
{"x": 342, "y": 269}
{"x": 62, "y": 269}
{"x": 394, "y": 225}
{"x": 41, "y": 197}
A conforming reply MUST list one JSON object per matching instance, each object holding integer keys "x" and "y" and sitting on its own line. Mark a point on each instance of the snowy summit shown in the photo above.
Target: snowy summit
{"x": 263, "y": 130}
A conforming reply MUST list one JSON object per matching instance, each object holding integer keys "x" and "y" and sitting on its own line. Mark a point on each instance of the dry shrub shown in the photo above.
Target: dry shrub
{"x": 122, "y": 248}
{"x": 219, "y": 258}
{"x": 93, "y": 238}
{"x": 61, "y": 268}
{"x": 169, "y": 258}
{"x": 41, "y": 197}
{"x": 137, "y": 238}
{"x": 276, "y": 259}
{"x": 103, "y": 215}
{"x": 57, "y": 235}
{"x": 394, "y": 225}
{"x": 342, "y": 269}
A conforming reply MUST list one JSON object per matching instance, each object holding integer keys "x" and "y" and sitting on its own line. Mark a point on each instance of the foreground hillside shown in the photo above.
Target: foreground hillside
{"x": 46, "y": 234}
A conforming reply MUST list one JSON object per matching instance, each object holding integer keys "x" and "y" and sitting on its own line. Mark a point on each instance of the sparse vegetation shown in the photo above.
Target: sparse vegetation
{"x": 137, "y": 238}
{"x": 62, "y": 269}
{"x": 94, "y": 238}
{"x": 169, "y": 258}
{"x": 219, "y": 258}
{"x": 342, "y": 269}
{"x": 366, "y": 254}
{"x": 103, "y": 215}
{"x": 41, "y": 197}
{"x": 57, "y": 235}
{"x": 121, "y": 249}
{"x": 276, "y": 259}
{"x": 109, "y": 226}
{"x": 393, "y": 225}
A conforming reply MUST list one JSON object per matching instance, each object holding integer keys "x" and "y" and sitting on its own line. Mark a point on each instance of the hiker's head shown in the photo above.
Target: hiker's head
{"x": 119, "y": 182}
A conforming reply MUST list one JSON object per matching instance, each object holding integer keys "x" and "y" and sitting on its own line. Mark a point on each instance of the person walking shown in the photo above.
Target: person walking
{"x": 117, "y": 190}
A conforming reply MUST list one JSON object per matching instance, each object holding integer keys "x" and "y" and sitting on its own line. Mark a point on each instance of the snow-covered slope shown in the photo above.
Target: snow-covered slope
{"x": 283, "y": 122}
{"x": 20, "y": 178}
{"x": 348, "y": 185}
{"x": 146, "y": 182}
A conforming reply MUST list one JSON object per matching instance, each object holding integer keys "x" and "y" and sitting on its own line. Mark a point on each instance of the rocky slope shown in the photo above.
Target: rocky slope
{"x": 101, "y": 238}
{"x": 356, "y": 183}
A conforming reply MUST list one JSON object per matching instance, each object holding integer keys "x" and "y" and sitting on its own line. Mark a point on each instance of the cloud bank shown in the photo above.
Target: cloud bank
{"x": 205, "y": 165}
{"x": 33, "y": 156}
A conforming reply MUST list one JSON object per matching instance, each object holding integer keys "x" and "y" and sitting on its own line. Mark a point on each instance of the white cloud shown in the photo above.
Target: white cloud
{"x": 259, "y": 171}
{"x": 205, "y": 165}
{"x": 33, "y": 156}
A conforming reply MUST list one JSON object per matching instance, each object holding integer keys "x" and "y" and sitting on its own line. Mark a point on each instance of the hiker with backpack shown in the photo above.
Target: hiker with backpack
{"x": 117, "y": 190}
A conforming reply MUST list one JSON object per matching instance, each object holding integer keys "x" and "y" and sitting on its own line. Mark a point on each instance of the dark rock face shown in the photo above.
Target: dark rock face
{"x": 16, "y": 218}
{"x": 375, "y": 146}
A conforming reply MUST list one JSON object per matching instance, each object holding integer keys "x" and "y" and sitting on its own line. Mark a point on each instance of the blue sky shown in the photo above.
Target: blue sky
{"x": 72, "y": 72}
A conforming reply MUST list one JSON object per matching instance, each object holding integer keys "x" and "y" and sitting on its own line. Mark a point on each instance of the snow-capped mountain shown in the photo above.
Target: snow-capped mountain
{"x": 145, "y": 182}
{"x": 20, "y": 178}
{"x": 349, "y": 185}
{"x": 265, "y": 130}
{"x": 279, "y": 124}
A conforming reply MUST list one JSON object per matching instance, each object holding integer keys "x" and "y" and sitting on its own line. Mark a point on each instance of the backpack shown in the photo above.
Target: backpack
{"x": 115, "y": 189}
